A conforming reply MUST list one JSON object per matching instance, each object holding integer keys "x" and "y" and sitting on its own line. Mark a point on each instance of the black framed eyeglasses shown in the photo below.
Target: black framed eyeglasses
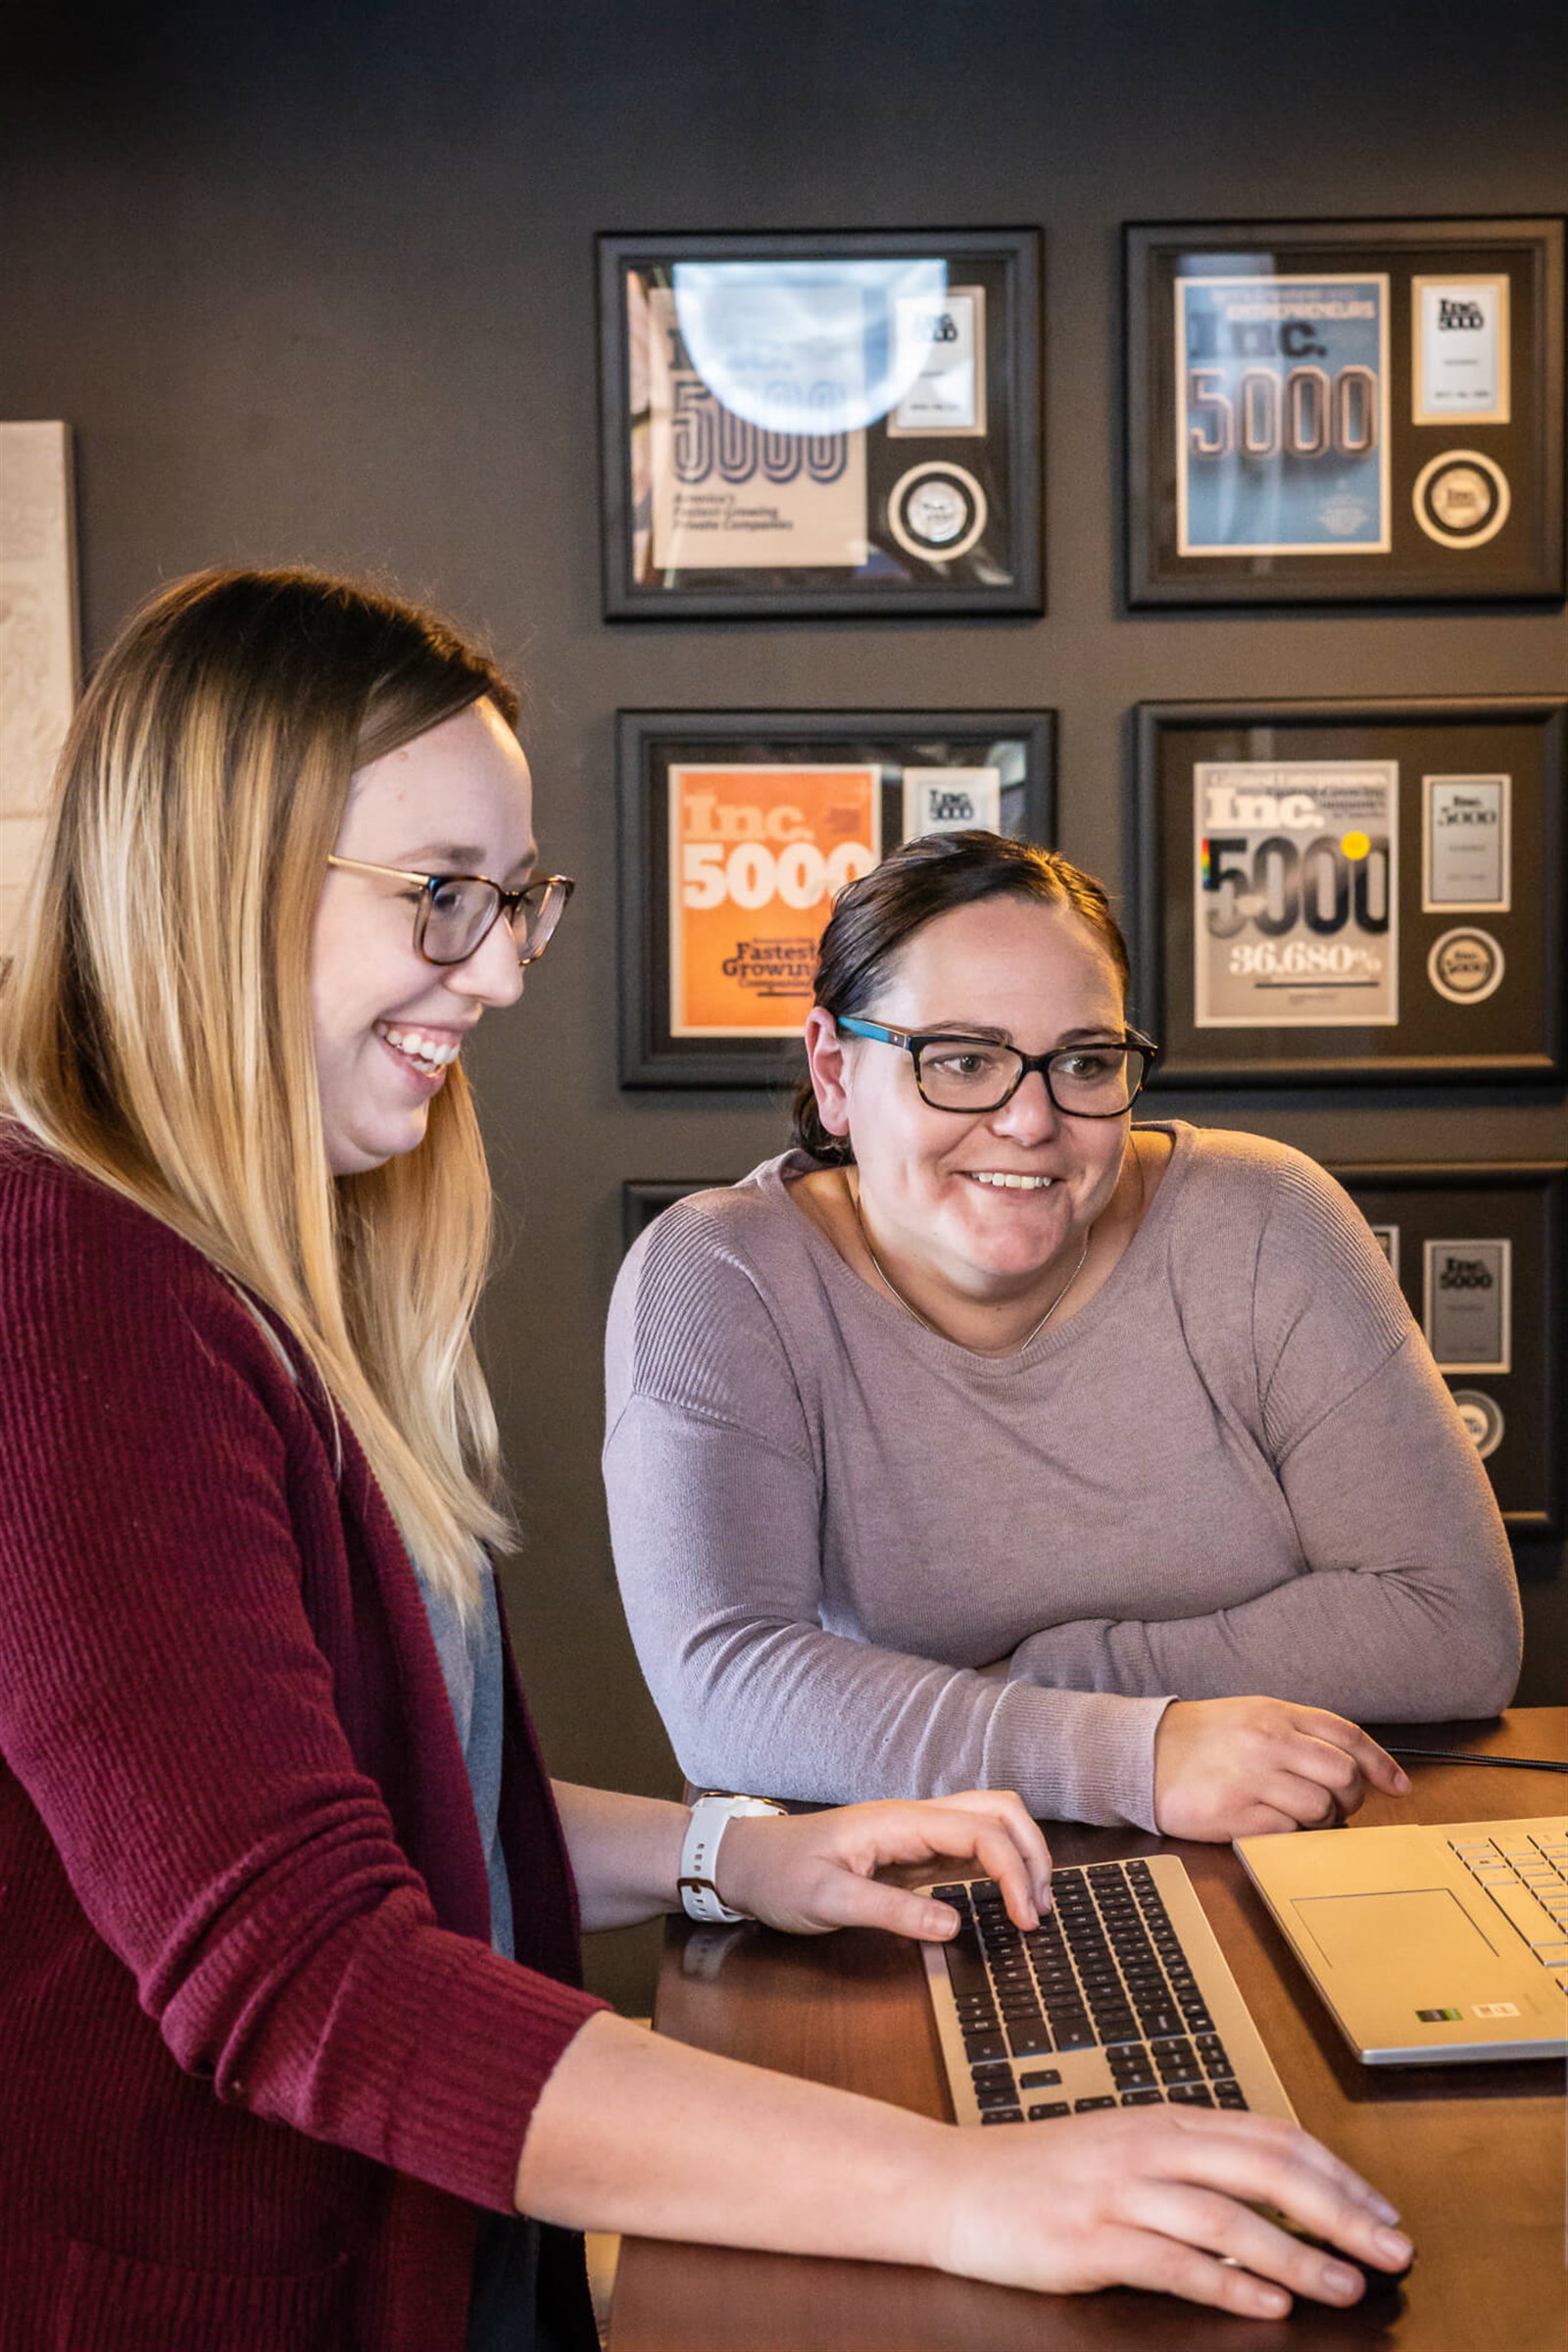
{"x": 457, "y": 912}
{"x": 1099, "y": 1079}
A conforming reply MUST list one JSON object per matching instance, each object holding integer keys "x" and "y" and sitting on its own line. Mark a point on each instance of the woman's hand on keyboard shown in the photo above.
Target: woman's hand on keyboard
{"x": 1240, "y": 1767}
{"x": 1165, "y": 2199}
{"x": 809, "y": 1872}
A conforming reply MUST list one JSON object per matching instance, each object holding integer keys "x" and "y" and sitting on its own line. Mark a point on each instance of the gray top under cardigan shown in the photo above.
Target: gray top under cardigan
{"x": 469, "y": 1647}
{"x": 1235, "y": 1469}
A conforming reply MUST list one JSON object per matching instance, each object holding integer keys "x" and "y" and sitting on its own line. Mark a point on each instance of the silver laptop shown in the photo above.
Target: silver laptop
{"x": 1429, "y": 1944}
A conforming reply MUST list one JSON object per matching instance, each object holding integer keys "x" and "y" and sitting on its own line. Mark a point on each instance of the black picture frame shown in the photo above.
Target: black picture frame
{"x": 1478, "y": 996}
{"x": 1513, "y": 1414}
{"x": 932, "y": 484}
{"x": 1018, "y": 745}
{"x": 645, "y": 1198}
{"x": 1426, "y": 466}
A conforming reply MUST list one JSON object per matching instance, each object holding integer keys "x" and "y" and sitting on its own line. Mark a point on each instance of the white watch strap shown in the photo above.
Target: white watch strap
{"x": 699, "y": 1854}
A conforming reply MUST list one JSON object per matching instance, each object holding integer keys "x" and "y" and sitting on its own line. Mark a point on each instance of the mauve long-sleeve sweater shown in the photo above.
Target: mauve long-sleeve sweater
{"x": 1235, "y": 1469}
{"x": 259, "y": 2070}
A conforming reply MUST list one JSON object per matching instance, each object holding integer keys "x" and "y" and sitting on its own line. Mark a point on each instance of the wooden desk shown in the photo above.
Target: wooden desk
{"x": 1472, "y": 2155}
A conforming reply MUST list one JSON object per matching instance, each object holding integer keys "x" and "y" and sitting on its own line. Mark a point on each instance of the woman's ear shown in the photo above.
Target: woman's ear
{"x": 824, "y": 1058}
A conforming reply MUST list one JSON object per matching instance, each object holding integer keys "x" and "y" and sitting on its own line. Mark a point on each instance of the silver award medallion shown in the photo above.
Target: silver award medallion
{"x": 1461, "y": 498}
{"x": 1467, "y": 1305}
{"x": 1465, "y": 965}
{"x": 1482, "y": 1416}
{"x": 937, "y": 511}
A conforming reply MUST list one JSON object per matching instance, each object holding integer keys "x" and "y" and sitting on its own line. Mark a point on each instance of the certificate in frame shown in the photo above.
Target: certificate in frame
{"x": 1332, "y": 411}
{"x": 1352, "y": 892}
{"x": 736, "y": 830}
{"x": 822, "y": 424}
{"x": 1477, "y": 1250}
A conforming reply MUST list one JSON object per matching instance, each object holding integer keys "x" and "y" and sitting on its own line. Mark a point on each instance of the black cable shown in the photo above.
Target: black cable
{"x": 1462, "y": 1755}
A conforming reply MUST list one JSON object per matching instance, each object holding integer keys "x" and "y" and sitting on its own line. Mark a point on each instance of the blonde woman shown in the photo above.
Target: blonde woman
{"x": 290, "y": 2002}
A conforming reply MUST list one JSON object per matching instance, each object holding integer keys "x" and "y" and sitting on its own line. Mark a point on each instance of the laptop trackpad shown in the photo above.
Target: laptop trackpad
{"x": 1428, "y": 1923}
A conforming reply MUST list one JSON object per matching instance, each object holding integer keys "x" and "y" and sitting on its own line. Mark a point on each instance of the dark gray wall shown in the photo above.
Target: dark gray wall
{"x": 319, "y": 285}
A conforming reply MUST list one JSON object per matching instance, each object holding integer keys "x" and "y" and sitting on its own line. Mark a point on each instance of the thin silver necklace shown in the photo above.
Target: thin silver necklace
{"x": 925, "y": 1324}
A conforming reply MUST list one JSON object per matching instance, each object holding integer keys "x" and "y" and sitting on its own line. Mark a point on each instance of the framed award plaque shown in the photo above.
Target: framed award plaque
{"x": 645, "y": 1198}
{"x": 738, "y": 829}
{"x": 820, "y": 424}
{"x": 1354, "y": 892}
{"x": 1345, "y": 411}
{"x": 1478, "y": 1253}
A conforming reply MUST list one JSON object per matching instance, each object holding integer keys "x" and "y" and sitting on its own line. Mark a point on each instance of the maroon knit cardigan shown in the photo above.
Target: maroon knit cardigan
{"x": 259, "y": 2066}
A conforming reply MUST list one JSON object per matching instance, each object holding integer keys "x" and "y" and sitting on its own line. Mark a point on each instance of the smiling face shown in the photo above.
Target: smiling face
{"x": 387, "y": 1024}
{"x": 986, "y": 1203}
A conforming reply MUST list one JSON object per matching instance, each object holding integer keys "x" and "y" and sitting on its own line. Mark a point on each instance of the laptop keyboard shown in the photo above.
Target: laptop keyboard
{"x": 1526, "y": 1875}
{"x": 1100, "y": 2006}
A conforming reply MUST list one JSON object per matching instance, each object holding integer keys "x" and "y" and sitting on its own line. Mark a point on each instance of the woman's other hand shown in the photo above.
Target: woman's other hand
{"x": 1165, "y": 2199}
{"x": 809, "y": 1872}
{"x": 1240, "y": 1767}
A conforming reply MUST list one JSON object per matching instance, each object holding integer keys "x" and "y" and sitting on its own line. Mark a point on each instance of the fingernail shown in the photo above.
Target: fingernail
{"x": 1045, "y": 1898}
{"x": 1401, "y": 1784}
{"x": 1394, "y": 2244}
{"x": 1383, "y": 2210}
{"x": 1339, "y": 2280}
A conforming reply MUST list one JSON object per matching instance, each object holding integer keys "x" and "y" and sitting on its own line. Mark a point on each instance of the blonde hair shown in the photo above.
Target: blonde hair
{"x": 156, "y": 1027}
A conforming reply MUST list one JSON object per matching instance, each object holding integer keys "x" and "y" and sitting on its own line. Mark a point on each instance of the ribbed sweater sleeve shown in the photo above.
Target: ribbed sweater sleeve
{"x": 165, "y": 1704}
{"x": 715, "y": 1509}
{"x": 1408, "y": 1609}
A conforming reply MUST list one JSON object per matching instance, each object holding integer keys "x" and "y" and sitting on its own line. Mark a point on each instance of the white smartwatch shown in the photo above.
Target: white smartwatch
{"x": 712, "y": 1816}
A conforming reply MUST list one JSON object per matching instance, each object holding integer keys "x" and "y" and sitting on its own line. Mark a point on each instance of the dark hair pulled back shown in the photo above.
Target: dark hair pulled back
{"x": 875, "y": 917}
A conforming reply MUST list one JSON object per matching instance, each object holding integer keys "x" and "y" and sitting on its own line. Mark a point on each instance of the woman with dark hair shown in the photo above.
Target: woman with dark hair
{"x": 297, "y": 2056}
{"x": 985, "y": 1439}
